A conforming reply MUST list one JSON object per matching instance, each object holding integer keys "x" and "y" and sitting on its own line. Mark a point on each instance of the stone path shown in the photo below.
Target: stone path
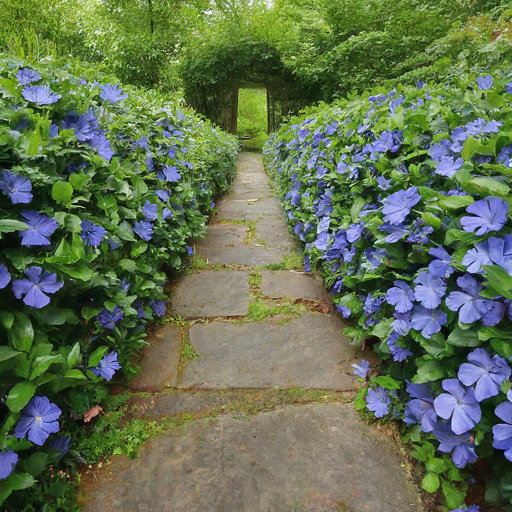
{"x": 271, "y": 425}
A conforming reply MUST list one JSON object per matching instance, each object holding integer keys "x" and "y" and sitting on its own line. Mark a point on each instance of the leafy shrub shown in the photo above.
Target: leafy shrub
{"x": 100, "y": 190}
{"x": 402, "y": 199}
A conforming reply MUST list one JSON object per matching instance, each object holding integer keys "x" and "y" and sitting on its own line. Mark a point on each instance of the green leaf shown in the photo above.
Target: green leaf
{"x": 96, "y": 356}
{"x": 128, "y": 265}
{"x": 386, "y": 382}
{"x": 490, "y": 186}
{"x": 19, "y": 395}
{"x": 430, "y": 482}
{"x": 74, "y": 374}
{"x": 62, "y": 192}
{"x": 355, "y": 210}
{"x": 499, "y": 280}
{"x": 454, "y": 497}
{"x": 11, "y": 225}
{"x": 464, "y": 338}
{"x": 80, "y": 271}
{"x": 456, "y": 202}
{"x": 69, "y": 221}
{"x": 471, "y": 146}
{"x": 7, "y": 353}
{"x": 23, "y": 481}
{"x": 78, "y": 180}
{"x": 74, "y": 355}
{"x": 35, "y": 464}
{"x": 431, "y": 220}
{"x": 88, "y": 312}
{"x": 21, "y": 334}
{"x": 41, "y": 364}
{"x": 125, "y": 232}
{"x": 6, "y": 319}
{"x": 428, "y": 370}
{"x": 436, "y": 465}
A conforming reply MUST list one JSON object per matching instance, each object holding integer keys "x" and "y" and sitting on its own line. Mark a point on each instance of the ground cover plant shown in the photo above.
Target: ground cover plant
{"x": 402, "y": 199}
{"x": 102, "y": 189}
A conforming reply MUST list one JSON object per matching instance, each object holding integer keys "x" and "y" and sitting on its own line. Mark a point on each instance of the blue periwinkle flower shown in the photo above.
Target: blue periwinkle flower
{"x": 487, "y": 373}
{"x": 401, "y": 296}
{"x": 471, "y": 508}
{"x": 91, "y": 234}
{"x": 108, "y": 319}
{"x": 150, "y": 211}
{"x": 112, "y": 93}
{"x": 430, "y": 290}
{"x": 158, "y": 307}
{"x": 144, "y": 229}
{"x": 344, "y": 310}
{"x": 39, "y": 419}
{"x": 8, "y": 460}
{"x": 26, "y": 76}
{"x": 363, "y": 369}
{"x": 398, "y": 205}
{"x": 40, "y": 94}
{"x": 162, "y": 195}
{"x": 40, "y": 228}
{"x": 505, "y": 156}
{"x": 421, "y": 408}
{"x": 62, "y": 444}
{"x": 428, "y": 321}
{"x": 441, "y": 265}
{"x": 5, "y": 277}
{"x": 383, "y": 183}
{"x": 167, "y": 213}
{"x": 448, "y": 166}
{"x": 36, "y": 286}
{"x": 190, "y": 251}
{"x": 490, "y": 214}
{"x": 107, "y": 366}
{"x": 378, "y": 401}
{"x": 502, "y": 432}
{"x": 485, "y": 82}
{"x": 461, "y": 447}
{"x": 354, "y": 232}
{"x": 458, "y": 404}
{"x": 102, "y": 146}
{"x": 169, "y": 173}
{"x": 478, "y": 256}
{"x": 17, "y": 187}
{"x": 470, "y": 305}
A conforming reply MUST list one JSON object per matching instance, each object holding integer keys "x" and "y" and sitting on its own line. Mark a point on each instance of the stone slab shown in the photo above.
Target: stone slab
{"x": 275, "y": 232}
{"x": 223, "y": 235}
{"x": 211, "y": 293}
{"x": 285, "y": 284}
{"x": 159, "y": 361}
{"x": 315, "y": 458}
{"x": 248, "y": 210}
{"x": 309, "y": 352}
{"x": 245, "y": 255}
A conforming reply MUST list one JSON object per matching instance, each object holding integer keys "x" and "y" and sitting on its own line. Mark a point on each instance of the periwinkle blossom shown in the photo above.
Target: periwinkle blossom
{"x": 26, "y": 76}
{"x": 421, "y": 408}
{"x": 378, "y": 401}
{"x": 478, "y": 256}
{"x": 471, "y": 508}
{"x": 354, "y": 232}
{"x": 344, "y": 310}
{"x": 488, "y": 373}
{"x": 374, "y": 256}
{"x": 150, "y": 211}
{"x": 397, "y": 351}
{"x": 40, "y": 228}
{"x": 190, "y": 251}
{"x": 92, "y": 234}
{"x": 5, "y": 277}
{"x": 112, "y": 93}
{"x": 441, "y": 265}
{"x": 459, "y": 404}
{"x": 461, "y": 447}
{"x": 363, "y": 369}
{"x": 62, "y": 445}
{"x": 167, "y": 214}
{"x": 158, "y": 307}
{"x": 113, "y": 243}
{"x": 39, "y": 419}
{"x": 34, "y": 288}
{"x": 469, "y": 303}
{"x": 398, "y": 205}
{"x": 8, "y": 461}
{"x": 16, "y": 187}
{"x": 448, "y": 166}
{"x": 401, "y": 296}
{"x": 484, "y": 82}
{"x": 505, "y": 156}
{"x": 490, "y": 214}
{"x": 107, "y": 366}
{"x": 383, "y": 183}
{"x": 429, "y": 290}
{"x": 40, "y": 94}
{"x": 502, "y": 432}
{"x": 428, "y": 321}
{"x": 108, "y": 319}
{"x": 144, "y": 229}
{"x": 394, "y": 233}
{"x": 163, "y": 195}
{"x": 169, "y": 173}
{"x": 102, "y": 145}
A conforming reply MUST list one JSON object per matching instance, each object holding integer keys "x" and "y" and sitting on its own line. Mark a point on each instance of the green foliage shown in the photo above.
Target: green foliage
{"x": 102, "y": 168}
{"x": 252, "y": 112}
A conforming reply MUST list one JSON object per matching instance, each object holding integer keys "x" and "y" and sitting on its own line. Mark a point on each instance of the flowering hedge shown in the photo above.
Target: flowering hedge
{"x": 403, "y": 201}
{"x": 99, "y": 190}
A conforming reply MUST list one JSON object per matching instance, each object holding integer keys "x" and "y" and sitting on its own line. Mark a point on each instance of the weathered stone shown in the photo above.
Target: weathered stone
{"x": 211, "y": 294}
{"x": 245, "y": 255}
{"x": 315, "y": 458}
{"x": 287, "y": 284}
{"x": 309, "y": 352}
{"x": 248, "y": 210}
{"x": 274, "y": 232}
{"x": 159, "y": 361}
{"x": 223, "y": 235}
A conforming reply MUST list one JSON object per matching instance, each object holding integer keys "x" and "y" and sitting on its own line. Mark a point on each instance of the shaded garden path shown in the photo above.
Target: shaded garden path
{"x": 260, "y": 376}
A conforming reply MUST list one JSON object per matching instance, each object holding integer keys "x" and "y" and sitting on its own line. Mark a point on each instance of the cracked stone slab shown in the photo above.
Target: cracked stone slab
{"x": 247, "y": 210}
{"x": 212, "y": 293}
{"x": 159, "y": 361}
{"x": 314, "y": 458}
{"x": 309, "y": 352}
{"x": 284, "y": 284}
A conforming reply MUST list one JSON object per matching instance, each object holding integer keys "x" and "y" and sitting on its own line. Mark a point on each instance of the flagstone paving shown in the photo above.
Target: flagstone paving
{"x": 250, "y": 444}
